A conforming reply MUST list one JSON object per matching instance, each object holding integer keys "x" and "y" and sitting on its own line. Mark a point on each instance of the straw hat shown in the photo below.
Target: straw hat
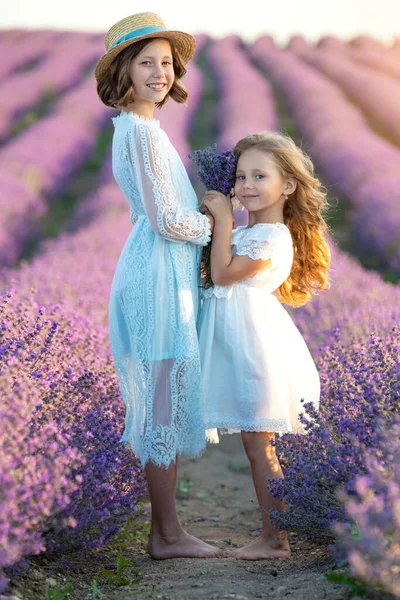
{"x": 139, "y": 27}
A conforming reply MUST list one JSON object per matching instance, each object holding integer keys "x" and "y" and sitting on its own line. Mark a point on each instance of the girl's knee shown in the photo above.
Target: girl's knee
{"x": 258, "y": 443}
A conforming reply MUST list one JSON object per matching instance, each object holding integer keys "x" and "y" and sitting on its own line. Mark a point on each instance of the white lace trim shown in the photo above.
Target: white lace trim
{"x": 133, "y": 116}
{"x": 280, "y": 426}
{"x": 220, "y": 291}
{"x": 215, "y": 422}
{"x": 256, "y": 249}
{"x": 249, "y": 242}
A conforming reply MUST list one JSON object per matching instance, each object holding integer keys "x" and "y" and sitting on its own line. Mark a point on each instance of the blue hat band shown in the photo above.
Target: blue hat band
{"x": 137, "y": 33}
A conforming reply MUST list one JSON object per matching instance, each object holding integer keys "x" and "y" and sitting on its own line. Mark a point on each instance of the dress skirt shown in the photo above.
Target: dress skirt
{"x": 256, "y": 367}
{"x": 153, "y": 312}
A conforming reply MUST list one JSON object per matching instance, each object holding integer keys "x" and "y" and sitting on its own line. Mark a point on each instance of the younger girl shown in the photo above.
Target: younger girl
{"x": 154, "y": 297}
{"x": 256, "y": 367}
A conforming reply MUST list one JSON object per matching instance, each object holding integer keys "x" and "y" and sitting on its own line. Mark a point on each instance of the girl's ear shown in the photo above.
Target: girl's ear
{"x": 291, "y": 185}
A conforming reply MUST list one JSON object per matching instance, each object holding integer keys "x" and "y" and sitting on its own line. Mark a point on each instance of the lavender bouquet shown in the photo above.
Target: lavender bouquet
{"x": 216, "y": 170}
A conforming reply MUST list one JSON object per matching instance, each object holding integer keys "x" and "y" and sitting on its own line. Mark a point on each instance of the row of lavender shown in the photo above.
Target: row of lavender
{"x": 58, "y": 71}
{"x": 364, "y": 50}
{"x": 351, "y": 331}
{"x": 37, "y": 165}
{"x": 374, "y": 91}
{"x": 24, "y": 49}
{"x": 68, "y": 481}
{"x": 356, "y": 162}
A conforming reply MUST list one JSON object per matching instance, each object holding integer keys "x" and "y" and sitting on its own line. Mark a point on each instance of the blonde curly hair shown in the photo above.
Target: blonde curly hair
{"x": 302, "y": 214}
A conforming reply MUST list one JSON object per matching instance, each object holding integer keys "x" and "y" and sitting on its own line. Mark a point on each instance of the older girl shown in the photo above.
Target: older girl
{"x": 154, "y": 297}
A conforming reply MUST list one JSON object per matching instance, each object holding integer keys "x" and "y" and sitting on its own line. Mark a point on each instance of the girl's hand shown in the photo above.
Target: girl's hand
{"x": 220, "y": 206}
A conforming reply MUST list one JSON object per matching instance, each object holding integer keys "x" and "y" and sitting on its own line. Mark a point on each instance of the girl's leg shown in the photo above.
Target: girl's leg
{"x": 167, "y": 538}
{"x": 264, "y": 463}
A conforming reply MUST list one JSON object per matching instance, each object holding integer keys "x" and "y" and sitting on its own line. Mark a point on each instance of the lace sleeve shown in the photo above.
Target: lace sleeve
{"x": 160, "y": 199}
{"x": 262, "y": 243}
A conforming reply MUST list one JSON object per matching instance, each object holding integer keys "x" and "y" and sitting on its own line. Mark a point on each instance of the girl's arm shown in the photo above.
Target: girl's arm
{"x": 152, "y": 176}
{"x": 225, "y": 268}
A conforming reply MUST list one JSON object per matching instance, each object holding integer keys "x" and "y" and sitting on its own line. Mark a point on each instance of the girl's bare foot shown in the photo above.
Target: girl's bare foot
{"x": 181, "y": 546}
{"x": 262, "y": 549}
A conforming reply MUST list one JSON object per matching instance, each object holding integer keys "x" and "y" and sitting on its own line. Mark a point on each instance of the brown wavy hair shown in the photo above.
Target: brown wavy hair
{"x": 115, "y": 87}
{"x": 302, "y": 213}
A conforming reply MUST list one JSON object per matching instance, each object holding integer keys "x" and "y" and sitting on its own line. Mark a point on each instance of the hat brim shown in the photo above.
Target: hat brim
{"x": 184, "y": 43}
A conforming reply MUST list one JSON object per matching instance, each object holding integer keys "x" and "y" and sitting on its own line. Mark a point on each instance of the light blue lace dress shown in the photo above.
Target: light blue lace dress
{"x": 154, "y": 298}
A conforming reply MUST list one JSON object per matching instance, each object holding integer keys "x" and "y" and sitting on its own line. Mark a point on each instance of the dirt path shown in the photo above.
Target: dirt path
{"x": 216, "y": 503}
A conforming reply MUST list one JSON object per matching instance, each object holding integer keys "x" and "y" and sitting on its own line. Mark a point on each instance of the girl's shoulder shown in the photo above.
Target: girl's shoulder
{"x": 263, "y": 240}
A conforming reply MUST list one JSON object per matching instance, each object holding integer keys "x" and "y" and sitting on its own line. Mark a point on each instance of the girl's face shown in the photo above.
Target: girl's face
{"x": 152, "y": 73}
{"x": 259, "y": 183}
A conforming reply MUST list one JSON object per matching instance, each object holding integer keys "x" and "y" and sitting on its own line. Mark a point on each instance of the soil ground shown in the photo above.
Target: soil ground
{"x": 217, "y": 503}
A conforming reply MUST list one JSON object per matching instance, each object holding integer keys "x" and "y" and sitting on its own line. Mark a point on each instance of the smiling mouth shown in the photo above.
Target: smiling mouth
{"x": 156, "y": 87}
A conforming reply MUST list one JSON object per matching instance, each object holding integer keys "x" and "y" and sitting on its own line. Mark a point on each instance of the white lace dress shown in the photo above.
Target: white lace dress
{"x": 256, "y": 367}
{"x": 154, "y": 298}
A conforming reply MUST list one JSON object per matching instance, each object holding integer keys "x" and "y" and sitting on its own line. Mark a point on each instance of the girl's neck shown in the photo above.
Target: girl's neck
{"x": 275, "y": 215}
{"x": 142, "y": 109}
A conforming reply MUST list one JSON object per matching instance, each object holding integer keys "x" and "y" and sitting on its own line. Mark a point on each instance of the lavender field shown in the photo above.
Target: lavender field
{"x": 66, "y": 484}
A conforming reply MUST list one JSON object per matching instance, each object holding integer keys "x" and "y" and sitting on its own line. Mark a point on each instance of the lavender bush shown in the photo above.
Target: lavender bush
{"x": 62, "y": 419}
{"x": 372, "y": 538}
{"x": 360, "y": 388}
{"x": 39, "y": 469}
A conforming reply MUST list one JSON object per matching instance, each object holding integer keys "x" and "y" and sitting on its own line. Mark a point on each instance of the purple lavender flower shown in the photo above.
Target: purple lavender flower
{"x": 216, "y": 170}
{"x": 372, "y": 539}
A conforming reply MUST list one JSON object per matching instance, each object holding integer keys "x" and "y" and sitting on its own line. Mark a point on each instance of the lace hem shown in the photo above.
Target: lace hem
{"x": 163, "y": 460}
{"x": 280, "y": 426}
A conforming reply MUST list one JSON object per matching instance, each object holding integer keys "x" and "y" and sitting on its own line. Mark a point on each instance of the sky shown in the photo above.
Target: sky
{"x": 283, "y": 18}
